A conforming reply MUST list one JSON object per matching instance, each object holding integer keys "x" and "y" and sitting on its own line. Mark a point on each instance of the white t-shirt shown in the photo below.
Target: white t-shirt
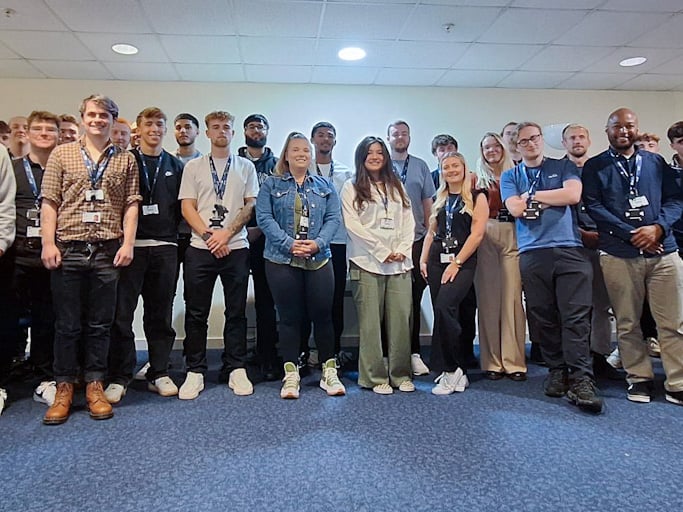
{"x": 197, "y": 183}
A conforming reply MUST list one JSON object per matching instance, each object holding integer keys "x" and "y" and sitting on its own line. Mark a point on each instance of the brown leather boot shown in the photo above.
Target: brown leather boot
{"x": 58, "y": 412}
{"x": 99, "y": 407}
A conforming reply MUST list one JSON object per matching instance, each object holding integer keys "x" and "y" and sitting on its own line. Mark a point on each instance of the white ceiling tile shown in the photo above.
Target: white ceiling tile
{"x": 611, "y": 28}
{"x": 269, "y": 18}
{"x": 87, "y": 70}
{"x": 545, "y": 4}
{"x": 326, "y": 54}
{"x": 669, "y": 6}
{"x": 16, "y": 68}
{"x": 655, "y": 58}
{"x": 534, "y": 80}
{"x": 668, "y": 35}
{"x": 45, "y": 45}
{"x": 566, "y": 58}
{"x": 469, "y": 78}
{"x": 427, "y": 22}
{"x": 143, "y": 71}
{"x": 364, "y": 21}
{"x": 343, "y": 75}
{"x": 93, "y": 16}
{"x": 647, "y": 82}
{"x": 413, "y": 77}
{"x": 278, "y": 74}
{"x": 180, "y": 17}
{"x": 6, "y": 53}
{"x": 277, "y": 50}
{"x": 211, "y": 72}
{"x": 150, "y": 49}
{"x": 30, "y": 15}
{"x": 496, "y": 56}
{"x": 669, "y": 67}
{"x": 539, "y": 26}
{"x": 594, "y": 81}
{"x": 201, "y": 49}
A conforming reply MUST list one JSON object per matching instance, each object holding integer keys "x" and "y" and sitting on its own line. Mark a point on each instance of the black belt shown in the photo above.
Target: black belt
{"x": 82, "y": 246}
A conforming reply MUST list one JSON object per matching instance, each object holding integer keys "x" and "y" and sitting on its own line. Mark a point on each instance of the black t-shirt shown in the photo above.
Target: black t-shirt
{"x": 461, "y": 227}
{"x": 25, "y": 200}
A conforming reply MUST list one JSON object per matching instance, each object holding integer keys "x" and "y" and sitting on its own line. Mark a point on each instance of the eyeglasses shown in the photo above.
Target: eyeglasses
{"x": 257, "y": 127}
{"x": 40, "y": 129}
{"x": 525, "y": 142}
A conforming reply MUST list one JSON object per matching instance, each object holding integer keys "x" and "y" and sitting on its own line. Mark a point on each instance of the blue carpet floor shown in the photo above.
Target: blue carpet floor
{"x": 499, "y": 446}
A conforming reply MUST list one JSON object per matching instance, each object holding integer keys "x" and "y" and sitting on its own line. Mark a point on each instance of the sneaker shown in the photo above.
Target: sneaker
{"x": 142, "y": 372}
{"x": 330, "y": 380}
{"x": 614, "y": 359}
{"x": 193, "y": 385}
{"x": 418, "y": 366}
{"x": 114, "y": 393}
{"x": 675, "y": 397}
{"x": 640, "y": 392}
{"x": 653, "y": 347}
{"x": 556, "y": 383}
{"x": 450, "y": 382}
{"x": 240, "y": 383}
{"x": 406, "y": 386}
{"x": 164, "y": 386}
{"x": 584, "y": 395}
{"x": 45, "y": 392}
{"x": 290, "y": 386}
{"x": 3, "y": 397}
{"x": 383, "y": 389}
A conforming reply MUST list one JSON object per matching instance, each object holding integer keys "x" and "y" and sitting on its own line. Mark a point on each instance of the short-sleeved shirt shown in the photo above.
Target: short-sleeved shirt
{"x": 417, "y": 180}
{"x": 66, "y": 180}
{"x": 557, "y": 226}
{"x": 197, "y": 184}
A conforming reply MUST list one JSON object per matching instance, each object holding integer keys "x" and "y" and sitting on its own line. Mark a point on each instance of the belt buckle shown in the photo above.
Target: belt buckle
{"x": 91, "y": 250}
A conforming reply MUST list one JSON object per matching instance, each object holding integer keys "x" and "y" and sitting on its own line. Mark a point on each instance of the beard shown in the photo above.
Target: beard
{"x": 255, "y": 143}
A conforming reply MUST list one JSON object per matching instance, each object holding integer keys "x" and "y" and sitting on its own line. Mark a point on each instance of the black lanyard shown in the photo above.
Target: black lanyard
{"x": 403, "y": 173}
{"x": 96, "y": 171}
{"x": 317, "y": 168}
{"x": 632, "y": 178}
{"x": 145, "y": 174}
{"x": 31, "y": 180}
{"x": 301, "y": 192}
{"x": 450, "y": 207}
{"x": 219, "y": 185}
{"x": 384, "y": 198}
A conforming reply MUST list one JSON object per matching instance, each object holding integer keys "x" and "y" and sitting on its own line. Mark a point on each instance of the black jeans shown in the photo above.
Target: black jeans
{"x": 8, "y": 313}
{"x": 559, "y": 297}
{"x": 419, "y": 285}
{"x": 201, "y": 269}
{"x": 339, "y": 268}
{"x": 150, "y": 275}
{"x": 84, "y": 298}
{"x": 266, "y": 319}
{"x": 299, "y": 293}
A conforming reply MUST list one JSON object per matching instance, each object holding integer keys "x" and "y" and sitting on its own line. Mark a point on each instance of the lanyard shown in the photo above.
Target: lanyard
{"x": 96, "y": 171}
{"x": 317, "y": 168}
{"x": 31, "y": 179}
{"x": 219, "y": 186}
{"x": 384, "y": 198}
{"x": 145, "y": 174}
{"x": 301, "y": 192}
{"x": 534, "y": 182}
{"x": 403, "y": 173}
{"x": 633, "y": 178}
{"x": 450, "y": 208}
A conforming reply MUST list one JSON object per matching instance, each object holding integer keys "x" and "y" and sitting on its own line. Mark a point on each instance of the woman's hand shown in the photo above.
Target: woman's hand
{"x": 423, "y": 269}
{"x": 450, "y": 273}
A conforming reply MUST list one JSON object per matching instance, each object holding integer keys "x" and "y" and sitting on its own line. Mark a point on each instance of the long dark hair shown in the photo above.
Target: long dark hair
{"x": 363, "y": 183}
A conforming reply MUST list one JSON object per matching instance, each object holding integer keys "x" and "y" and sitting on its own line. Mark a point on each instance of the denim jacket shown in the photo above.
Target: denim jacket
{"x": 275, "y": 215}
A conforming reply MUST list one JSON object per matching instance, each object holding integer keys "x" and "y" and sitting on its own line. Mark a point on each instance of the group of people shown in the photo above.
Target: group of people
{"x": 87, "y": 227}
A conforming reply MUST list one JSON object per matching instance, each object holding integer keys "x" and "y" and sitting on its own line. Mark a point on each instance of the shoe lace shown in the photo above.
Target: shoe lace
{"x": 291, "y": 380}
{"x": 584, "y": 387}
{"x": 331, "y": 377}
{"x": 443, "y": 381}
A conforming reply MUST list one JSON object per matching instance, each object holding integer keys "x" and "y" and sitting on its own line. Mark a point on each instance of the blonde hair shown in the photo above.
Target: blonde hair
{"x": 484, "y": 170}
{"x": 442, "y": 192}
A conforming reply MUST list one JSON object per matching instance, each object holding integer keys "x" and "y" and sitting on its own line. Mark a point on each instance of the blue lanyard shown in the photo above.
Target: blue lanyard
{"x": 403, "y": 173}
{"x": 96, "y": 171}
{"x": 384, "y": 198}
{"x": 301, "y": 191}
{"x": 317, "y": 168}
{"x": 145, "y": 174}
{"x": 450, "y": 208}
{"x": 534, "y": 182}
{"x": 219, "y": 186}
{"x": 31, "y": 179}
{"x": 632, "y": 178}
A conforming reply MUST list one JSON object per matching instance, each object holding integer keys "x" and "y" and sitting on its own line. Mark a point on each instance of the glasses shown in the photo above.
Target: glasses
{"x": 257, "y": 127}
{"x": 40, "y": 129}
{"x": 525, "y": 142}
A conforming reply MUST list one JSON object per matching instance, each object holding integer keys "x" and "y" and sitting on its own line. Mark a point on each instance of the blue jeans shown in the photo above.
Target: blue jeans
{"x": 84, "y": 297}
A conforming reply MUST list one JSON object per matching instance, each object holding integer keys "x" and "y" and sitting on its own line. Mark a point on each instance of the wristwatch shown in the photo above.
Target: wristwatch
{"x": 206, "y": 235}
{"x": 457, "y": 262}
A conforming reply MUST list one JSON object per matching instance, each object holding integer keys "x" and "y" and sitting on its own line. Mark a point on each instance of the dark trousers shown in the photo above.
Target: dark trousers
{"x": 299, "y": 293}
{"x": 558, "y": 287}
{"x": 84, "y": 298}
{"x": 8, "y": 313}
{"x": 266, "y": 318}
{"x": 468, "y": 314}
{"x": 418, "y": 288}
{"x": 150, "y": 275}
{"x": 33, "y": 294}
{"x": 201, "y": 269}
{"x": 340, "y": 269}
{"x": 447, "y": 334}
{"x": 647, "y": 322}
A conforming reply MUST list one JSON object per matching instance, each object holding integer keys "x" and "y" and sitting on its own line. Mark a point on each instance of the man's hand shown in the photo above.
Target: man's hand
{"x": 51, "y": 256}
{"x": 647, "y": 238}
{"x": 589, "y": 239}
{"x": 124, "y": 256}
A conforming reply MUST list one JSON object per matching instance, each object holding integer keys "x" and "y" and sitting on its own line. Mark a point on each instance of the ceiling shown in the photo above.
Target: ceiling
{"x": 547, "y": 44}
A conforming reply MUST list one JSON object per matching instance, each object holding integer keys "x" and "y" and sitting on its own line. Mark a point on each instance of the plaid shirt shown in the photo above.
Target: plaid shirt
{"x": 66, "y": 180}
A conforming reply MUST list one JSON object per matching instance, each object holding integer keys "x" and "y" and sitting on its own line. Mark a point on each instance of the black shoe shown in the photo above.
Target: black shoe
{"x": 675, "y": 397}
{"x": 517, "y": 376}
{"x": 640, "y": 392}
{"x": 494, "y": 375}
{"x": 556, "y": 383}
{"x": 535, "y": 355}
{"x": 271, "y": 371}
{"x": 603, "y": 370}
{"x": 584, "y": 394}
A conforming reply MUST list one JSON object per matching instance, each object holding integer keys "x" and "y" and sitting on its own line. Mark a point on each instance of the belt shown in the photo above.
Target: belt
{"x": 91, "y": 247}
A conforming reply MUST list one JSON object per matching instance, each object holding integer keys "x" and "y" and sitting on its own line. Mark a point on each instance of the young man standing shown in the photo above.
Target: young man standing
{"x": 18, "y": 137}
{"x": 186, "y": 127}
{"x": 675, "y": 136}
{"x": 88, "y": 219}
{"x": 152, "y": 272}
{"x": 218, "y": 194}
{"x": 68, "y": 129}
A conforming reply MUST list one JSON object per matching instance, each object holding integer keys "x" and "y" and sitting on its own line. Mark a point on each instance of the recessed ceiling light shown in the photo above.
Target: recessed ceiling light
{"x": 633, "y": 61}
{"x": 351, "y": 53}
{"x": 124, "y": 48}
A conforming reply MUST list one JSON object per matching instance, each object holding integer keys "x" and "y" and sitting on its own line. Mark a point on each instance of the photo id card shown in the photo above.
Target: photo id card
{"x": 303, "y": 221}
{"x": 447, "y": 257}
{"x": 638, "y": 202}
{"x": 33, "y": 232}
{"x": 94, "y": 195}
{"x": 92, "y": 217}
{"x": 386, "y": 223}
{"x": 150, "y": 209}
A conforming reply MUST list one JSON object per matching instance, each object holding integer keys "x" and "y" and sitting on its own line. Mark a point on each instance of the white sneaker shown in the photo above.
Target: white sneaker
{"x": 114, "y": 393}
{"x": 164, "y": 386}
{"x": 450, "y": 382}
{"x": 418, "y": 366}
{"x": 142, "y": 372}
{"x": 330, "y": 379}
{"x": 383, "y": 389}
{"x": 614, "y": 359}
{"x": 239, "y": 382}
{"x": 290, "y": 386}
{"x": 653, "y": 347}
{"x": 3, "y": 397}
{"x": 193, "y": 385}
{"x": 45, "y": 392}
{"x": 406, "y": 386}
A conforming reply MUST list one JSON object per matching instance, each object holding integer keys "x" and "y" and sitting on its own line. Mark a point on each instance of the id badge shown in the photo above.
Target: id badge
{"x": 92, "y": 217}
{"x": 33, "y": 215}
{"x": 33, "y": 232}
{"x": 638, "y": 202}
{"x": 635, "y": 214}
{"x": 532, "y": 211}
{"x": 94, "y": 195}
{"x": 386, "y": 223}
{"x": 447, "y": 257}
{"x": 303, "y": 221}
{"x": 150, "y": 209}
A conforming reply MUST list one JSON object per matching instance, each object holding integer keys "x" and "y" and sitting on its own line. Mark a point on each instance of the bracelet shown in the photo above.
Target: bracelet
{"x": 457, "y": 262}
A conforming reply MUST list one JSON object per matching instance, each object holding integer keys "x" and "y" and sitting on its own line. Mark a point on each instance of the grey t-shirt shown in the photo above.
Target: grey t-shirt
{"x": 417, "y": 180}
